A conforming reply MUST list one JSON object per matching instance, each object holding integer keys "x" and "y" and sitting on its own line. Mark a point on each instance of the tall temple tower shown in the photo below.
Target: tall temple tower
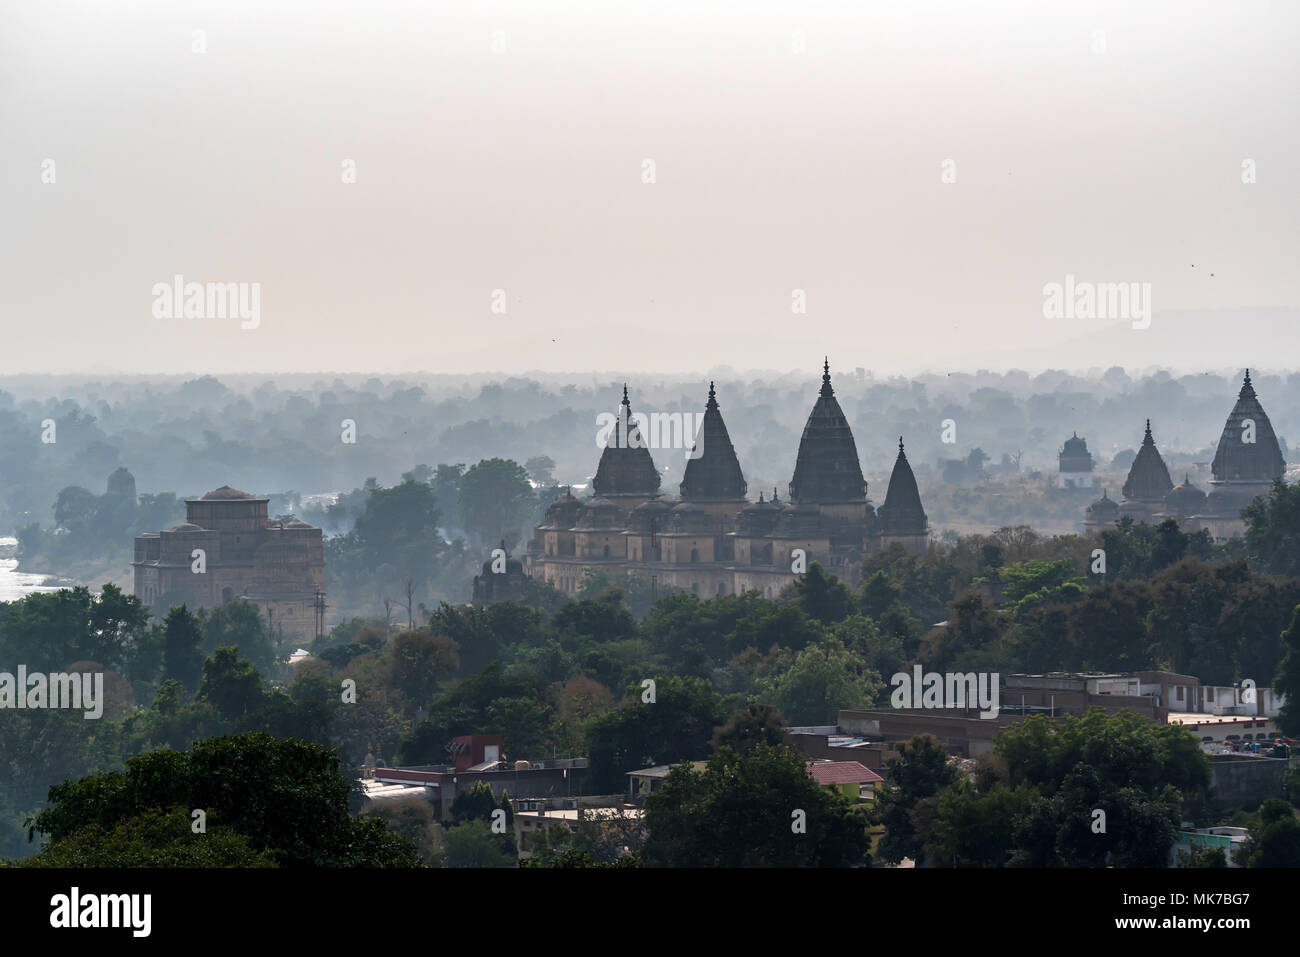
{"x": 1147, "y": 484}
{"x": 713, "y": 479}
{"x": 901, "y": 517}
{"x": 626, "y": 473}
{"x": 827, "y": 473}
{"x": 1246, "y": 462}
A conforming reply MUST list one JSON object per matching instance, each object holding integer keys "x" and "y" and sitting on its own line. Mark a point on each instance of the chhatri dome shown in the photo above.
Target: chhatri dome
{"x": 626, "y": 468}
{"x": 827, "y": 471}
{"x": 714, "y": 476}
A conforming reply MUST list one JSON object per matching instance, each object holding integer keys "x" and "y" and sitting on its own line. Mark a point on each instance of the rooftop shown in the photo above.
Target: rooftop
{"x": 842, "y": 772}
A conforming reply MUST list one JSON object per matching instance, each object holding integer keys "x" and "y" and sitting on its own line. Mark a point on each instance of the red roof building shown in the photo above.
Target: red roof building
{"x": 850, "y": 778}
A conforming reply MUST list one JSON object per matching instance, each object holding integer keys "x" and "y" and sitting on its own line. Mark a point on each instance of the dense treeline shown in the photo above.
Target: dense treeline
{"x": 559, "y": 677}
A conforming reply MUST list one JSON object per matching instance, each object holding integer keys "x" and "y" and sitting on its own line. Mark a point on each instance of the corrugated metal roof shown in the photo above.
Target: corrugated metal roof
{"x": 842, "y": 772}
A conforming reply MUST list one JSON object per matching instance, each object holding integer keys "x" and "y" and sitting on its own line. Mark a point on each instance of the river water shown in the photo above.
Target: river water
{"x": 15, "y": 584}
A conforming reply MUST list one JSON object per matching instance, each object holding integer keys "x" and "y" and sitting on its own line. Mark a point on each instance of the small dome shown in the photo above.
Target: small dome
{"x": 1185, "y": 500}
{"x": 598, "y": 514}
{"x": 1104, "y": 509}
{"x": 563, "y": 512}
{"x": 650, "y": 516}
{"x": 689, "y": 517}
{"x": 1074, "y": 446}
{"x": 298, "y": 523}
{"x": 514, "y": 567}
{"x": 1137, "y": 511}
{"x": 185, "y": 527}
{"x": 798, "y": 521}
{"x": 225, "y": 493}
{"x": 758, "y": 518}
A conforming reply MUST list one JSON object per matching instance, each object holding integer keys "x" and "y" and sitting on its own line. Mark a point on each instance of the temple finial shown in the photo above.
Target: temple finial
{"x": 900, "y": 445}
{"x": 625, "y": 402}
{"x": 711, "y": 393}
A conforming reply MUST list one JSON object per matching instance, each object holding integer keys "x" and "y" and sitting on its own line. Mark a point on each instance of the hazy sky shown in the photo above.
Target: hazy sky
{"x": 502, "y": 146}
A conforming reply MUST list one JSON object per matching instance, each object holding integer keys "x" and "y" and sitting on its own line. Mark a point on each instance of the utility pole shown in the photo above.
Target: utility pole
{"x": 654, "y": 555}
{"x": 320, "y": 612}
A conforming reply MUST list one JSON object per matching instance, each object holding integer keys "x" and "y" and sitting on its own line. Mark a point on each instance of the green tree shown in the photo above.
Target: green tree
{"x": 749, "y": 727}
{"x": 182, "y": 659}
{"x": 286, "y": 797}
{"x": 821, "y": 680}
{"x": 974, "y": 829}
{"x": 496, "y": 500}
{"x": 474, "y": 804}
{"x": 1136, "y": 772}
{"x": 676, "y": 726}
{"x": 231, "y": 684}
{"x": 1287, "y": 681}
{"x": 1276, "y": 840}
{"x": 412, "y": 819}
{"x": 920, "y": 772}
{"x": 1273, "y": 530}
{"x": 760, "y": 810}
{"x": 153, "y": 838}
{"x": 239, "y": 624}
{"x": 418, "y": 662}
{"x": 823, "y": 596}
{"x": 74, "y": 509}
{"x": 1203, "y": 857}
{"x": 473, "y": 844}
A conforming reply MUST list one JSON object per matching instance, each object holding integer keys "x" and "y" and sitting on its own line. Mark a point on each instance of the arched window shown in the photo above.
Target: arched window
{"x": 722, "y": 588}
{"x": 607, "y": 551}
{"x": 695, "y": 555}
{"x": 227, "y": 594}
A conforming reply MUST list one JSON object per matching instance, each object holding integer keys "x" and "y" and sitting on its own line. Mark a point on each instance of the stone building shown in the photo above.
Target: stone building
{"x": 713, "y": 540}
{"x": 278, "y": 566}
{"x": 502, "y": 579}
{"x": 1246, "y": 462}
{"x": 1075, "y": 464}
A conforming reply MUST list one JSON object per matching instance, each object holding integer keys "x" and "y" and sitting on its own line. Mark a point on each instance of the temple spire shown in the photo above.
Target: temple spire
{"x": 901, "y": 514}
{"x": 713, "y": 472}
